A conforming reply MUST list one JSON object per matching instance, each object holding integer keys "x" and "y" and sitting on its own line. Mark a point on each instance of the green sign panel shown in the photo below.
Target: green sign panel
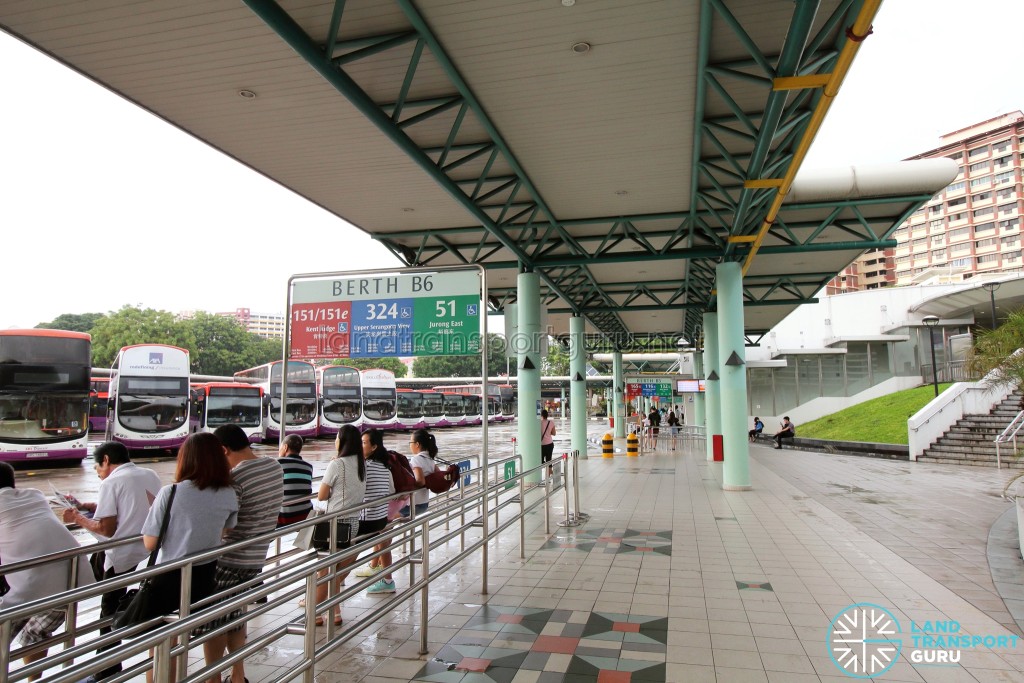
{"x": 510, "y": 471}
{"x": 446, "y": 326}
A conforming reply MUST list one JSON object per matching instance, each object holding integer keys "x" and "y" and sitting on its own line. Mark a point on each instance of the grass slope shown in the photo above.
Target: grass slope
{"x": 881, "y": 420}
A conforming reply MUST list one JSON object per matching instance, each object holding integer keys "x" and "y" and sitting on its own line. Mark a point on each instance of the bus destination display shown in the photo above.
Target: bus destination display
{"x": 433, "y": 314}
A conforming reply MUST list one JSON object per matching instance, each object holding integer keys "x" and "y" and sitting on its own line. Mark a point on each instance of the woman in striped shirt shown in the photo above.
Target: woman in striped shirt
{"x": 379, "y": 484}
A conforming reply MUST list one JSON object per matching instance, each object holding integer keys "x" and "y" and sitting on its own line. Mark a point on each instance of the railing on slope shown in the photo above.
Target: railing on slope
{"x": 963, "y": 398}
{"x": 1009, "y": 434}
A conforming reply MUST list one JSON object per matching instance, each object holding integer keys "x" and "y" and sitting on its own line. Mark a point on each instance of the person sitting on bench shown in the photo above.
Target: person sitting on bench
{"x": 788, "y": 431}
{"x": 756, "y": 431}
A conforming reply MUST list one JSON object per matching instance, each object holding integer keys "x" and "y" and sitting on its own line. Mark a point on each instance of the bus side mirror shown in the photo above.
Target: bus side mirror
{"x": 266, "y": 400}
{"x": 110, "y": 404}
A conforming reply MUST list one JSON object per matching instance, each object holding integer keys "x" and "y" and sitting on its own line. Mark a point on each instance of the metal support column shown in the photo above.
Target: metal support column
{"x": 578, "y": 385}
{"x": 619, "y": 387}
{"x": 732, "y": 370}
{"x": 712, "y": 403}
{"x": 528, "y": 351}
{"x": 698, "y": 373}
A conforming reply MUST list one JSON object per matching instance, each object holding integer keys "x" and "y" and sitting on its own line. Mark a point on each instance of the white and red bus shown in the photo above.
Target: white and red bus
{"x": 149, "y": 397}
{"x": 380, "y": 400}
{"x": 44, "y": 394}
{"x": 341, "y": 400}
{"x": 99, "y": 393}
{"x": 301, "y": 411}
{"x": 474, "y": 412}
{"x": 222, "y": 403}
{"x": 433, "y": 407}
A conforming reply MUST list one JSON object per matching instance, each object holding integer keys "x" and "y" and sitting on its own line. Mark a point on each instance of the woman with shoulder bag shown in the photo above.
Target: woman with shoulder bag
{"x": 343, "y": 485}
{"x": 379, "y": 484}
{"x": 203, "y": 507}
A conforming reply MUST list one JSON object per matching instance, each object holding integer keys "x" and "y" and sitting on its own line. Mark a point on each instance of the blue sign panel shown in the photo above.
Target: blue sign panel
{"x": 381, "y": 327}
{"x": 465, "y": 466}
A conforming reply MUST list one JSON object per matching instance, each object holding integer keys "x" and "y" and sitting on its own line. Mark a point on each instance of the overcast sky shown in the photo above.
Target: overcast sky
{"x": 104, "y": 205}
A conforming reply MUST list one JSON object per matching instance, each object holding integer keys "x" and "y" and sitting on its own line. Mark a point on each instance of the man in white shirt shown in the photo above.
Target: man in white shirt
{"x": 126, "y": 493}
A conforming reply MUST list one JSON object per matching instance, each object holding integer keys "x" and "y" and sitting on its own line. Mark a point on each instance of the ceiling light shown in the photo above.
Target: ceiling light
{"x": 580, "y": 48}
{"x": 247, "y": 94}
{"x": 568, "y": 3}
{"x": 408, "y": 210}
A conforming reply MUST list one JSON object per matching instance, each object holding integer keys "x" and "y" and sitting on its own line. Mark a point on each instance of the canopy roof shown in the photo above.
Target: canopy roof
{"x": 619, "y": 149}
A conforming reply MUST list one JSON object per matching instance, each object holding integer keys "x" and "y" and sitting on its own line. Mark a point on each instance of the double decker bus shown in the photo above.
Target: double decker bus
{"x": 99, "y": 394}
{"x": 301, "y": 411}
{"x": 44, "y": 394}
{"x": 380, "y": 399}
{"x": 341, "y": 400}
{"x": 223, "y": 403}
{"x": 149, "y": 397}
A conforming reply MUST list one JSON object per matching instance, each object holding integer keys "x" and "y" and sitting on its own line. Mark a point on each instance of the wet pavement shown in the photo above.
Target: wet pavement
{"x": 674, "y": 579}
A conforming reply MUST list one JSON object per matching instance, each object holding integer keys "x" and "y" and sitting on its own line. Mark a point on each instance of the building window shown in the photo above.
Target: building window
{"x": 977, "y": 151}
{"x": 981, "y": 196}
{"x": 1008, "y": 209}
{"x": 937, "y": 223}
{"x": 1003, "y": 162}
{"x": 986, "y": 211}
{"x": 1011, "y": 224}
{"x": 981, "y": 182}
{"x": 935, "y": 208}
{"x": 919, "y": 242}
{"x": 1000, "y": 146}
{"x": 957, "y": 186}
{"x": 984, "y": 227}
{"x": 962, "y": 246}
{"x": 938, "y": 239}
{"x": 960, "y": 262}
{"x": 1010, "y": 241}
{"x": 1006, "y": 193}
{"x": 1003, "y": 178}
{"x": 959, "y": 233}
{"x": 980, "y": 166}
{"x": 988, "y": 242}
{"x": 1012, "y": 256}
{"x": 902, "y": 259}
{"x": 957, "y": 217}
{"x": 956, "y": 157}
{"x": 956, "y": 202}
{"x": 988, "y": 258}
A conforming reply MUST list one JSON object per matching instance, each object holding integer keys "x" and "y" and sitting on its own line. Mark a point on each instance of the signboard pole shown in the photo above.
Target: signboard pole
{"x": 485, "y": 401}
{"x": 286, "y": 352}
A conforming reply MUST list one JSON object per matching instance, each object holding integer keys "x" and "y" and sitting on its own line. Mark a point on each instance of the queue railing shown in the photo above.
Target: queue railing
{"x": 289, "y": 574}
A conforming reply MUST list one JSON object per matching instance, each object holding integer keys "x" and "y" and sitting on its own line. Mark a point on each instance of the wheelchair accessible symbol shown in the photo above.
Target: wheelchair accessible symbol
{"x": 342, "y": 327}
{"x": 471, "y": 309}
{"x": 406, "y": 312}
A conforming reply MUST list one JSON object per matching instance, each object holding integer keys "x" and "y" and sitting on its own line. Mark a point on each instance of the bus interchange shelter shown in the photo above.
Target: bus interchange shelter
{"x": 630, "y": 166}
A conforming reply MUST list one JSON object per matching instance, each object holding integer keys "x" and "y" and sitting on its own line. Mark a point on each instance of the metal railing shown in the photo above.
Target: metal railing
{"x": 950, "y": 371}
{"x": 1009, "y": 434}
{"x": 288, "y": 574}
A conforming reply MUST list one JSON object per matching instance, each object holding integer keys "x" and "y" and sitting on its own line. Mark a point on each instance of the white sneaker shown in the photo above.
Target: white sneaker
{"x": 369, "y": 571}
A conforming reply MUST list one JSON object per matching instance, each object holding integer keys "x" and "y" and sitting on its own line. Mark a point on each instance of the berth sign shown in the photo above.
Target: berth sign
{"x": 415, "y": 314}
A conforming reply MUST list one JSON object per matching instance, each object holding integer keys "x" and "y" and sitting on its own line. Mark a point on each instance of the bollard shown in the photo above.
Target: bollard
{"x": 607, "y": 446}
{"x": 632, "y": 446}
{"x": 580, "y": 517}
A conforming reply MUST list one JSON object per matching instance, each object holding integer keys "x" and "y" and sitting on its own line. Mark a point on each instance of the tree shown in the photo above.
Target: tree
{"x": 557, "y": 362}
{"x": 393, "y": 364}
{"x": 223, "y": 347}
{"x": 132, "y": 325}
{"x": 466, "y": 366}
{"x": 73, "y": 322}
{"x": 995, "y": 351}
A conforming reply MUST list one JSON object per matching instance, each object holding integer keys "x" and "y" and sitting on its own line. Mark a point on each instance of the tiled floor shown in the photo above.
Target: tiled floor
{"x": 673, "y": 579}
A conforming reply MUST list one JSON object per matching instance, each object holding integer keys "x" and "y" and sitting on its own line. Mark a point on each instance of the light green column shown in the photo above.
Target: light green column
{"x": 733, "y": 372}
{"x": 620, "y": 405}
{"x": 712, "y": 403}
{"x": 698, "y": 373}
{"x": 527, "y": 346}
{"x": 578, "y": 385}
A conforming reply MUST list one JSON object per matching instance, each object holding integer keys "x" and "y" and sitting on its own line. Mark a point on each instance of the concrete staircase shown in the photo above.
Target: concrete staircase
{"x": 971, "y": 441}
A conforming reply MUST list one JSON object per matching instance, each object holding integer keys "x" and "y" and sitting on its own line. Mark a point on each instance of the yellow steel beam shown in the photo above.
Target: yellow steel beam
{"x": 801, "y": 82}
{"x": 860, "y": 30}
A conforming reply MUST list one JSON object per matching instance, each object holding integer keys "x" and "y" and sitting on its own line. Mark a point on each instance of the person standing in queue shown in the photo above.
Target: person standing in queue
{"x": 257, "y": 484}
{"x": 204, "y": 509}
{"x": 125, "y": 496}
{"x": 298, "y": 482}
{"x": 29, "y": 529}
{"x": 379, "y": 484}
{"x": 343, "y": 485}
{"x": 547, "y": 440}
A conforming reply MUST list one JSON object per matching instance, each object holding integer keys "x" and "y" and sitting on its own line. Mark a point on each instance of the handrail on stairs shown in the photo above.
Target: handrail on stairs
{"x": 1009, "y": 434}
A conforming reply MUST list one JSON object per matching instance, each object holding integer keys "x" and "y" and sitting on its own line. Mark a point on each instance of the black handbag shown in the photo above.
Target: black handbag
{"x": 136, "y": 606}
{"x": 322, "y": 535}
